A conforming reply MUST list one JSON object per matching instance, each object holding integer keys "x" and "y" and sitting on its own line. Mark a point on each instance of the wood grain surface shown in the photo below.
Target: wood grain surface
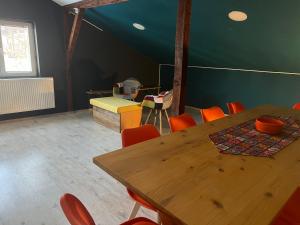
{"x": 188, "y": 180}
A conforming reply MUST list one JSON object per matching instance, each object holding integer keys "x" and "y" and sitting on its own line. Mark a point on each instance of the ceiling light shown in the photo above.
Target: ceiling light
{"x": 138, "y": 26}
{"x": 238, "y": 16}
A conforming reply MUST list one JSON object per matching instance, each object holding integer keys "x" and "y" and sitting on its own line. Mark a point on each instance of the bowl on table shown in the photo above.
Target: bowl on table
{"x": 269, "y": 125}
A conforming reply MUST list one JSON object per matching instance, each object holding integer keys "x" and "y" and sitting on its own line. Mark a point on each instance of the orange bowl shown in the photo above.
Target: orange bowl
{"x": 269, "y": 125}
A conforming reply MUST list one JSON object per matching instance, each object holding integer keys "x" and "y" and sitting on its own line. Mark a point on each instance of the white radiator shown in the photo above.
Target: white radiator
{"x": 26, "y": 94}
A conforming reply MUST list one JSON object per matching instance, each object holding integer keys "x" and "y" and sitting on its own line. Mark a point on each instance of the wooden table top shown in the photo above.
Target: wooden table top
{"x": 185, "y": 176}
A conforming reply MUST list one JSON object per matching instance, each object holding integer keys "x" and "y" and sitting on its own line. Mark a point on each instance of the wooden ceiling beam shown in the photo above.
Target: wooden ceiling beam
{"x": 181, "y": 55}
{"x": 72, "y": 38}
{"x": 74, "y": 32}
{"x": 70, "y": 52}
{"x": 85, "y": 4}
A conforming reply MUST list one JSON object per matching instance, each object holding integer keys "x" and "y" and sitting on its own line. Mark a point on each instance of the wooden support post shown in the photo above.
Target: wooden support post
{"x": 181, "y": 55}
{"x": 71, "y": 42}
{"x": 70, "y": 51}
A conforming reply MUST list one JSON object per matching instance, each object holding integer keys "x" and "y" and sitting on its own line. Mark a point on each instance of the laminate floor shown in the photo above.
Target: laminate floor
{"x": 43, "y": 157}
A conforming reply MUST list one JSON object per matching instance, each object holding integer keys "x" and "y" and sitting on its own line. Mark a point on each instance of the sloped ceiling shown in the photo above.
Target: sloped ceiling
{"x": 268, "y": 40}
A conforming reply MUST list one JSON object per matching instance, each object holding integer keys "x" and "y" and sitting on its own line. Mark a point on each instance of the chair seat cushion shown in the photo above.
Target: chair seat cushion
{"x": 148, "y": 103}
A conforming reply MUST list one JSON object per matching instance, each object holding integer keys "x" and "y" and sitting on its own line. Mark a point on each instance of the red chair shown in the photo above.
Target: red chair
{"x": 131, "y": 137}
{"x": 235, "y": 107}
{"x": 178, "y": 123}
{"x": 140, "y": 221}
{"x": 139, "y": 134}
{"x": 290, "y": 213}
{"x": 212, "y": 114}
{"x": 77, "y": 214}
{"x": 297, "y": 106}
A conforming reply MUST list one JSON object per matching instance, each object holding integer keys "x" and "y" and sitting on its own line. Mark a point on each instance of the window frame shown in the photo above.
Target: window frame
{"x": 33, "y": 50}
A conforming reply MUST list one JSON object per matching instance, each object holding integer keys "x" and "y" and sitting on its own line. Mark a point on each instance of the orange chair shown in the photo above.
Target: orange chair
{"x": 235, "y": 107}
{"x": 290, "y": 213}
{"x": 131, "y": 137}
{"x": 297, "y": 106}
{"x": 212, "y": 114}
{"x": 77, "y": 214}
{"x": 139, "y": 134}
{"x": 178, "y": 123}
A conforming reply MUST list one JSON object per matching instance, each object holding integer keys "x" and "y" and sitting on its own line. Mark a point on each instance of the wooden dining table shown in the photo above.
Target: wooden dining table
{"x": 190, "y": 182}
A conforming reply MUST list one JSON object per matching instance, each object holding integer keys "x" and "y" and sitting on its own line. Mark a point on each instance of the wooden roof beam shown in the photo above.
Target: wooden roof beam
{"x": 181, "y": 55}
{"x": 72, "y": 38}
{"x": 70, "y": 51}
{"x": 74, "y": 32}
{"x": 85, "y": 4}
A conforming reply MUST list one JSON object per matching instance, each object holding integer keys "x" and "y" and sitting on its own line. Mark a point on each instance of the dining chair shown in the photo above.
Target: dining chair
{"x": 181, "y": 122}
{"x": 159, "y": 104}
{"x": 235, "y": 107}
{"x": 290, "y": 212}
{"x": 211, "y": 114}
{"x": 297, "y": 106}
{"x": 131, "y": 137}
{"x": 77, "y": 213}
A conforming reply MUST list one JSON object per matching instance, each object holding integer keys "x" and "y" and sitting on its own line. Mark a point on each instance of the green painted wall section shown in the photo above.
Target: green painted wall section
{"x": 268, "y": 40}
{"x": 206, "y": 87}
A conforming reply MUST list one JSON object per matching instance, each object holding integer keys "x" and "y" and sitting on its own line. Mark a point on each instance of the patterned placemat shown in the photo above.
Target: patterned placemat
{"x": 244, "y": 139}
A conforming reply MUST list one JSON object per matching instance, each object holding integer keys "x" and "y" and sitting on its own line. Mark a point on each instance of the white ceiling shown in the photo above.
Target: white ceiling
{"x": 65, "y": 2}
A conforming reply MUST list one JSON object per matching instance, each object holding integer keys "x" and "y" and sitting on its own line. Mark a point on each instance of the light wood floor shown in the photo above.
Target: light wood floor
{"x": 43, "y": 157}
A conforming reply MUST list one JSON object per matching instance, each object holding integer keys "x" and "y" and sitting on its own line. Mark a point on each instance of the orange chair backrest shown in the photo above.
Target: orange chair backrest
{"x": 235, "y": 107}
{"x": 297, "y": 106}
{"x": 290, "y": 212}
{"x": 139, "y": 134}
{"x": 181, "y": 122}
{"x": 212, "y": 114}
{"x": 75, "y": 211}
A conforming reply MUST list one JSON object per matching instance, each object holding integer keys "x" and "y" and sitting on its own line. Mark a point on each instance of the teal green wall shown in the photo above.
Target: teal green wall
{"x": 207, "y": 87}
{"x": 158, "y": 16}
{"x": 268, "y": 40}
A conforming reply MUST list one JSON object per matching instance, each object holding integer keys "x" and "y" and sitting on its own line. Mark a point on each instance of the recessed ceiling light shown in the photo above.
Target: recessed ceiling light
{"x": 238, "y": 16}
{"x": 138, "y": 26}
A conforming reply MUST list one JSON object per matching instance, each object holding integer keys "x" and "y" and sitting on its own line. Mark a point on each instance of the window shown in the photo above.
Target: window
{"x": 17, "y": 49}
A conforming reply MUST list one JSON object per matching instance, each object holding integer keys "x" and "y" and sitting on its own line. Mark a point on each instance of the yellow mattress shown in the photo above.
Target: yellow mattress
{"x": 113, "y": 104}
